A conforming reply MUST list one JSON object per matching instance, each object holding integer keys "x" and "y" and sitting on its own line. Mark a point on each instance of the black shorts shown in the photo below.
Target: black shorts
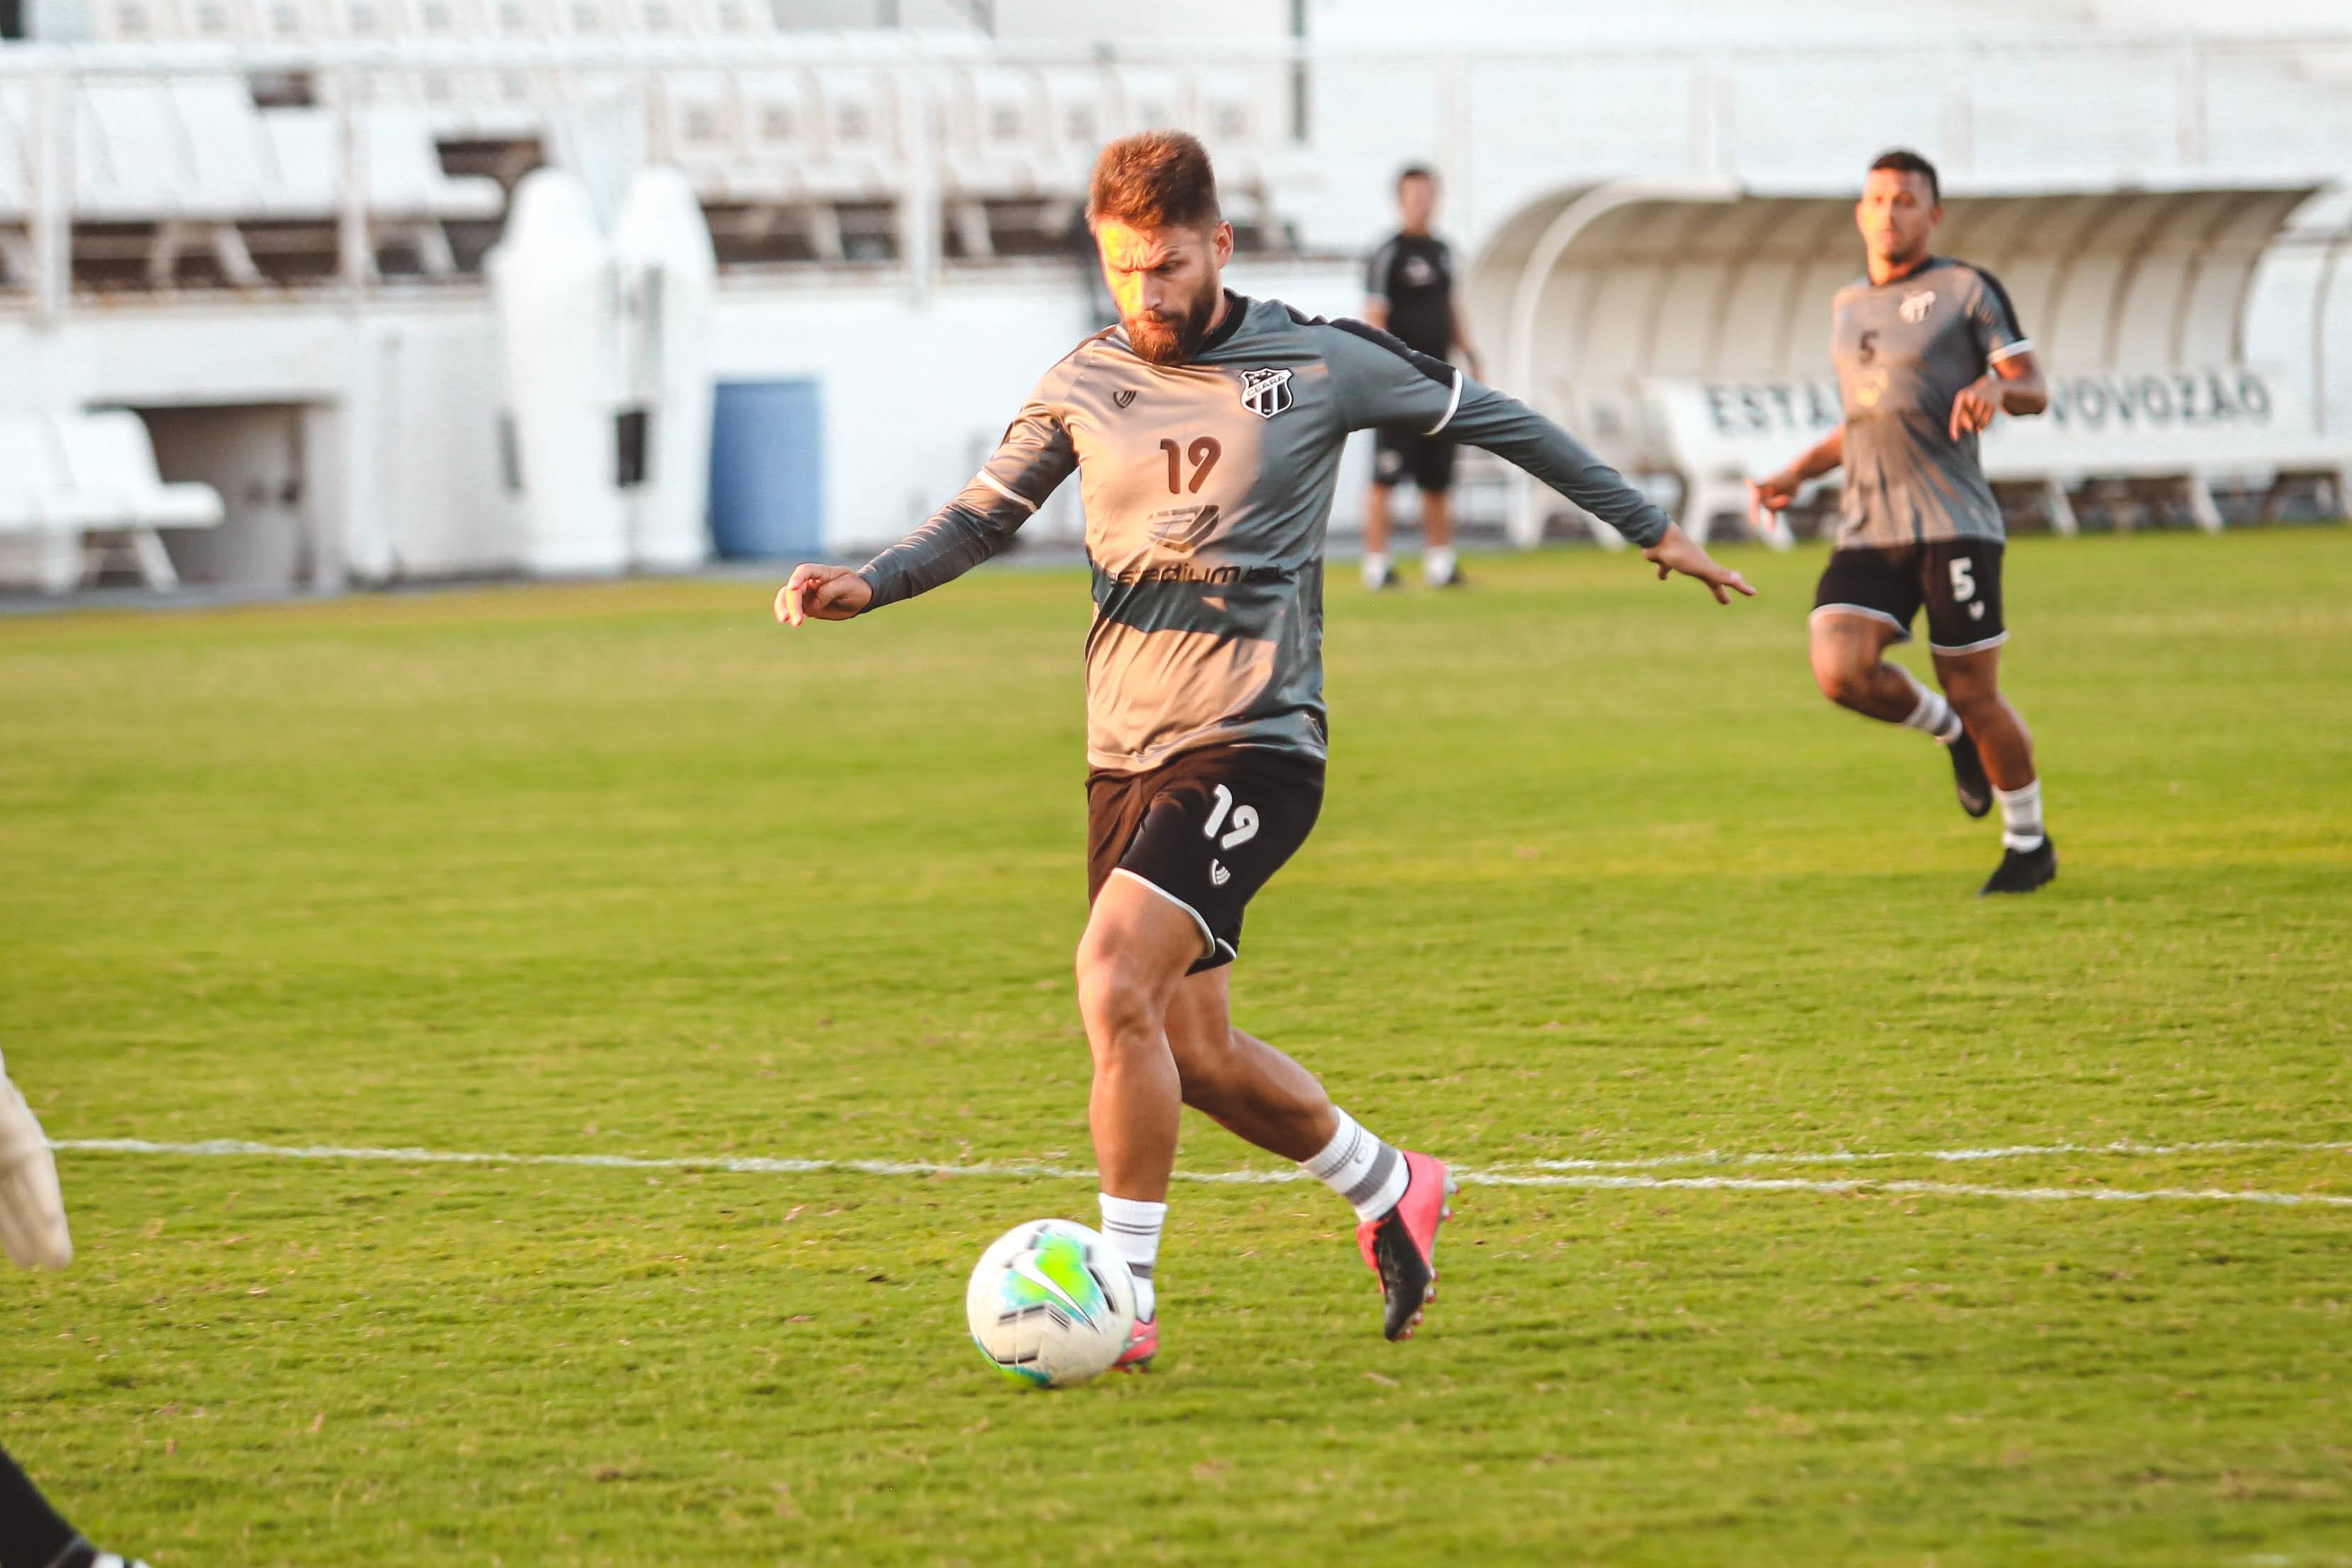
{"x": 1205, "y": 831}
{"x": 1958, "y": 581}
{"x": 1426, "y": 460}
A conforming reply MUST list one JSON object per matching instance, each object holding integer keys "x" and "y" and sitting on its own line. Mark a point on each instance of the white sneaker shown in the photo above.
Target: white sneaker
{"x": 32, "y": 1209}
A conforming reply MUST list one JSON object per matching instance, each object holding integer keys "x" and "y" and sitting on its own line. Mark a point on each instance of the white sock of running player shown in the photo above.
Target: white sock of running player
{"x": 1376, "y": 567}
{"x": 1133, "y": 1228}
{"x": 1932, "y": 714}
{"x": 2020, "y": 816}
{"x": 1367, "y": 1172}
{"x": 1437, "y": 563}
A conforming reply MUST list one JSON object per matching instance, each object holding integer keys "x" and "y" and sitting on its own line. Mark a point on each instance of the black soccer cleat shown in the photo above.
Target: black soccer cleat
{"x": 2022, "y": 871}
{"x": 1969, "y": 780}
{"x": 1452, "y": 579}
{"x": 1388, "y": 579}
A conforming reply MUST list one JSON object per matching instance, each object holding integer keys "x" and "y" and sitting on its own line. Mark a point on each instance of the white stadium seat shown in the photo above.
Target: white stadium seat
{"x": 85, "y": 480}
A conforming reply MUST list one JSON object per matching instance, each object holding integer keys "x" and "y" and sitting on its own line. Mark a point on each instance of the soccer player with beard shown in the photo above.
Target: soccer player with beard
{"x": 1206, "y": 430}
{"x": 1928, "y": 349}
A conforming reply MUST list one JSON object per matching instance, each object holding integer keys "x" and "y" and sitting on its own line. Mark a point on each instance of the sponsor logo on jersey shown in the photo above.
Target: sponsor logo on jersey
{"x": 1266, "y": 393}
{"x": 1192, "y": 571}
{"x": 1184, "y": 528}
{"x": 1218, "y": 874}
{"x": 1417, "y": 273}
{"x": 1123, "y": 398}
{"x": 1869, "y": 387}
{"x": 1915, "y": 307}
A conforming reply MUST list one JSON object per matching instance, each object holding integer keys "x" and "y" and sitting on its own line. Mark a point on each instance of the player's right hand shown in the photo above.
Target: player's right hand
{"x": 1769, "y": 496}
{"x": 32, "y": 1212}
{"x": 822, "y": 594}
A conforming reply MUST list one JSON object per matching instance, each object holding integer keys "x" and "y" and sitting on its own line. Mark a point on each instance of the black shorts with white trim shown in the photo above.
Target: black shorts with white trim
{"x": 1204, "y": 830}
{"x": 1401, "y": 454}
{"x": 1956, "y": 580}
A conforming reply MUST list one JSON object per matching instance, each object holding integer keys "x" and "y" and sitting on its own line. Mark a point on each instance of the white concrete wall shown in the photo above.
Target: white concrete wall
{"x": 401, "y": 449}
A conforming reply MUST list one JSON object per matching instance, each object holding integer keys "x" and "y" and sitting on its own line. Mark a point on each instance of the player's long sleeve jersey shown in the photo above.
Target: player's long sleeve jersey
{"x": 1208, "y": 491}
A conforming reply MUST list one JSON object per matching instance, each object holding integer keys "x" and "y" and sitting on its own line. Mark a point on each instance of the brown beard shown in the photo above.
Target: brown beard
{"x": 1160, "y": 341}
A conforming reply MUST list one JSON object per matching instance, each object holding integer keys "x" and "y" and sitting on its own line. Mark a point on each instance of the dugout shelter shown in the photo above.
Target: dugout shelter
{"x": 1682, "y": 328}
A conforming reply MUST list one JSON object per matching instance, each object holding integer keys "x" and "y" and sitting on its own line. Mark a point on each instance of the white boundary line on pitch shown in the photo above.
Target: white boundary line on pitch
{"x": 234, "y": 1149}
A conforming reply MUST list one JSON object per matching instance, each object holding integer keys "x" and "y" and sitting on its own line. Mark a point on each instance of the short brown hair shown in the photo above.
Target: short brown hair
{"x": 1155, "y": 179}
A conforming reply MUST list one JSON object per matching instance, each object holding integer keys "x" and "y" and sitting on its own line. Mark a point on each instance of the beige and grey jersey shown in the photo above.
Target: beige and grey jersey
{"x": 1904, "y": 349}
{"x": 1208, "y": 490}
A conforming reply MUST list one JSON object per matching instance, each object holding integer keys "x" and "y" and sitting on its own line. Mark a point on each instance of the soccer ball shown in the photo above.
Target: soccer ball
{"x": 1051, "y": 1303}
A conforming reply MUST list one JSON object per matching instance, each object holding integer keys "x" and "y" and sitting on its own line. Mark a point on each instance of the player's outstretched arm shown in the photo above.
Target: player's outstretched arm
{"x": 1034, "y": 457}
{"x": 1382, "y": 382}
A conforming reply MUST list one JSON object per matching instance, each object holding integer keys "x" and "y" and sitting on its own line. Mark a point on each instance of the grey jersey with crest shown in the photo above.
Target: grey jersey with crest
{"x": 1208, "y": 490}
{"x": 1903, "y": 351}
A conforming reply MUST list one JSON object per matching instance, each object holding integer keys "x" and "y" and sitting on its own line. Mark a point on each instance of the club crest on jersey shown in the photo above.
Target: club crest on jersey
{"x": 1266, "y": 393}
{"x": 1915, "y": 307}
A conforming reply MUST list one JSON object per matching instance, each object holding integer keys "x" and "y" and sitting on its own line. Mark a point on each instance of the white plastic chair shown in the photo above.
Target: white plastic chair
{"x": 110, "y": 463}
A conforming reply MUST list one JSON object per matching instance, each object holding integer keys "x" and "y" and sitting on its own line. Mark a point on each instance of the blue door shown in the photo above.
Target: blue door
{"x": 767, "y": 470}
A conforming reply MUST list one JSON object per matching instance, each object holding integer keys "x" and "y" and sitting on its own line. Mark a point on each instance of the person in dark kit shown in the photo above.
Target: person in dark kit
{"x": 1409, "y": 294}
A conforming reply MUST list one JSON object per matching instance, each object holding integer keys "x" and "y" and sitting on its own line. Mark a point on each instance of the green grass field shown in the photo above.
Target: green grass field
{"x": 630, "y": 870}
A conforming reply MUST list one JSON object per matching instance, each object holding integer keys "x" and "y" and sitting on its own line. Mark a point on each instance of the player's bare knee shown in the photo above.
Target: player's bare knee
{"x": 1119, "y": 1007}
{"x": 1842, "y": 679}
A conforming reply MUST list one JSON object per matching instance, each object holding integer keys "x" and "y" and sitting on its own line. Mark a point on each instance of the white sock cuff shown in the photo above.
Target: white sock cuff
{"x": 1930, "y": 713}
{"x": 1132, "y": 1229}
{"x": 1338, "y": 1151}
{"x": 1132, "y": 1214}
{"x": 2020, "y": 816}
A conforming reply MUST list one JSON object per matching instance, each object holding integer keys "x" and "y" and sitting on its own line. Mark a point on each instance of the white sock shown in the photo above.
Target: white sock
{"x": 1133, "y": 1228}
{"x": 1367, "y": 1172}
{"x": 1933, "y": 714}
{"x": 1376, "y": 567}
{"x": 1438, "y": 564}
{"x": 2020, "y": 816}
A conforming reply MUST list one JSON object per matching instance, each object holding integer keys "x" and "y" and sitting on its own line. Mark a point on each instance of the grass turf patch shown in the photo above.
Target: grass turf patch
{"x": 628, "y": 870}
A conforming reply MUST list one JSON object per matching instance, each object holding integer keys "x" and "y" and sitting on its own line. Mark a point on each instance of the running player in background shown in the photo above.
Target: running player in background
{"x": 1928, "y": 349}
{"x": 32, "y": 1232}
{"x": 1206, "y": 430}
{"x": 1409, "y": 294}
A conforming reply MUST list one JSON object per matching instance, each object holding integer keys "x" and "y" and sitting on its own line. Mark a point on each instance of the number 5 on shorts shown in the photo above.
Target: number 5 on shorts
{"x": 1964, "y": 583}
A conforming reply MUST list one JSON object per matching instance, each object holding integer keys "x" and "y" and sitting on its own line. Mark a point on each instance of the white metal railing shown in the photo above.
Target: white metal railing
{"x": 1493, "y": 120}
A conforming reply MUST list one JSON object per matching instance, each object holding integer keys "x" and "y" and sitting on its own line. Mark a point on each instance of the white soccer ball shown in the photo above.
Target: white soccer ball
{"x": 1051, "y": 1303}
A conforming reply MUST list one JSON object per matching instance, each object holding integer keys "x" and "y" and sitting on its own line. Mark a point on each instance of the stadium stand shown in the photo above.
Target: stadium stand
{"x": 216, "y": 169}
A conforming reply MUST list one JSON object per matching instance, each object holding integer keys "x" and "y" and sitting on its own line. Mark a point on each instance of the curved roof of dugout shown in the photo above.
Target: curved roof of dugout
{"x": 1588, "y": 291}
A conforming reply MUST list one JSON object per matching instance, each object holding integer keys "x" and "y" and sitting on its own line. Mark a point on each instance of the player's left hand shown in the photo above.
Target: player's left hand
{"x": 1976, "y": 406}
{"x": 1677, "y": 552}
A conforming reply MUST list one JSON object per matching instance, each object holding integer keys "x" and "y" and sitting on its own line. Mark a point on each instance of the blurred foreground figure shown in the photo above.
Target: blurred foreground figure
{"x": 33, "y": 1230}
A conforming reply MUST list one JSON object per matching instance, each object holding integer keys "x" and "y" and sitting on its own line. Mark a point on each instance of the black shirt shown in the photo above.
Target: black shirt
{"x": 1415, "y": 273}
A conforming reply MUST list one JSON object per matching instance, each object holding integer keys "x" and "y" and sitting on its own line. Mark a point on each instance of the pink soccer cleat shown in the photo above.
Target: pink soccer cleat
{"x": 1400, "y": 1246}
{"x": 1142, "y": 1344}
